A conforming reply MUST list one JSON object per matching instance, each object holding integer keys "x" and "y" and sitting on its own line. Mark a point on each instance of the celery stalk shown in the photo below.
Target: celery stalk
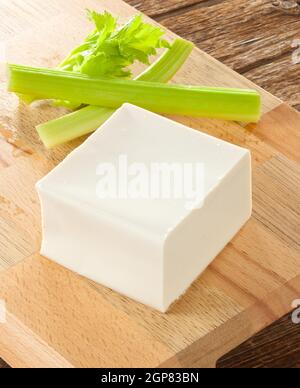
{"x": 88, "y": 119}
{"x": 110, "y": 50}
{"x": 220, "y": 103}
{"x": 165, "y": 68}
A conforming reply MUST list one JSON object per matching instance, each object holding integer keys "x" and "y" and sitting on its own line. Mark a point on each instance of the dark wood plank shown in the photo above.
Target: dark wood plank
{"x": 252, "y": 37}
{"x": 278, "y": 346}
{"x": 3, "y": 364}
{"x": 280, "y": 77}
{"x": 156, "y": 8}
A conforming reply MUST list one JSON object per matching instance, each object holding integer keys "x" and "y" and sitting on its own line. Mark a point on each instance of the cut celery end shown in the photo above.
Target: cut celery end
{"x": 26, "y": 99}
{"x": 61, "y": 131}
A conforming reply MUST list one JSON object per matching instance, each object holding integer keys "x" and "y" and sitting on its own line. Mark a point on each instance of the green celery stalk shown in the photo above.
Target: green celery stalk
{"x": 220, "y": 103}
{"x": 88, "y": 119}
{"x": 110, "y": 49}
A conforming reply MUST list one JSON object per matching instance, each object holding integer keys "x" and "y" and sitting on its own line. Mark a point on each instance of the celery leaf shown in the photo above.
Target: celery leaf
{"x": 110, "y": 50}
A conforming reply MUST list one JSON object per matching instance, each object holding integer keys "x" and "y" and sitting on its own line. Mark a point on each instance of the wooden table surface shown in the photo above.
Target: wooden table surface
{"x": 257, "y": 39}
{"x": 253, "y": 37}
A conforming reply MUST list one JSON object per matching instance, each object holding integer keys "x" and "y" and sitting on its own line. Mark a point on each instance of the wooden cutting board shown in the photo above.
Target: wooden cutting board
{"x": 56, "y": 318}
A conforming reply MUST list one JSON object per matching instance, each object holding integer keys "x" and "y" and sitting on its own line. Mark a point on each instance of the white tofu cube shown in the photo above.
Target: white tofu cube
{"x": 136, "y": 231}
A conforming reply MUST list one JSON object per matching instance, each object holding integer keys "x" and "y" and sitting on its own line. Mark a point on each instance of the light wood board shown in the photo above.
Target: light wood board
{"x": 56, "y": 318}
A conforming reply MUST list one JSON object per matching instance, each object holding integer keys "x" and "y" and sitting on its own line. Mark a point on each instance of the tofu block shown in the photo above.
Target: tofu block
{"x": 151, "y": 246}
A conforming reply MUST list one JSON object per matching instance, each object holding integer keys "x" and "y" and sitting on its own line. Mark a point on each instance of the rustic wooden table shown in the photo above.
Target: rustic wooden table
{"x": 254, "y": 37}
{"x": 259, "y": 39}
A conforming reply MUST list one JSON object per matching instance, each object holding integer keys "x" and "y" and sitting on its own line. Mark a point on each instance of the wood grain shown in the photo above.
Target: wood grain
{"x": 156, "y": 8}
{"x": 84, "y": 324}
{"x": 22, "y": 345}
{"x": 252, "y": 37}
{"x": 270, "y": 131}
{"x": 205, "y": 351}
